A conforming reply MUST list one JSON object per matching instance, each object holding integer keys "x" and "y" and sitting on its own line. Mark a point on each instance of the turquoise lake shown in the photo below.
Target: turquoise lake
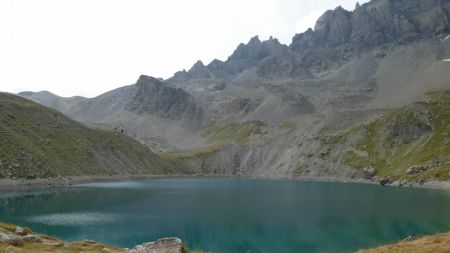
{"x": 227, "y": 215}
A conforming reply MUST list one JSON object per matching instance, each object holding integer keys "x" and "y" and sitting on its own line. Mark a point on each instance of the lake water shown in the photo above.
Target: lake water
{"x": 222, "y": 215}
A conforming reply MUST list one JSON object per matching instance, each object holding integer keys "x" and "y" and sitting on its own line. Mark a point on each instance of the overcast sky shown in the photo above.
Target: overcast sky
{"x": 87, "y": 47}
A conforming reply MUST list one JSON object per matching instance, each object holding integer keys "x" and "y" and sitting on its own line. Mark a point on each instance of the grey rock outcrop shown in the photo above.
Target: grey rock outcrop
{"x": 4, "y": 237}
{"x": 415, "y": 170}
{"x": 369, "y": 172}
{"x": 17, "y": 239}
{"x": 164, "y": 245}
{"x": 386, "y": 181}
{"x": 334, "y": 27}
{"x": 152, "y": 96}
{"x": 340, "y": 35}
{"x": 252, "y": 53}
{"x": 31, "y": 238}
{"x": 19, "y": 230}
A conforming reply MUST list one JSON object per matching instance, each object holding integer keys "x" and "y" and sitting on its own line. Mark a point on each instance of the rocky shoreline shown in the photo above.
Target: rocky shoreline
{"x": 15, "y": 239}
{"x": 18, "y": 239}
{"x": 45, "y": 183}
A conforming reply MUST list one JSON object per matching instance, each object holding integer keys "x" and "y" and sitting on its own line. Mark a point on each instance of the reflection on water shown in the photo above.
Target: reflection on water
{"x": 233, "y": 215}
{"x": 74, "y": 219}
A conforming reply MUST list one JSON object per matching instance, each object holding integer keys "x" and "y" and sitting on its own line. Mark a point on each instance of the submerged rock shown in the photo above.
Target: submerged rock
{"x": 165, "y": 245}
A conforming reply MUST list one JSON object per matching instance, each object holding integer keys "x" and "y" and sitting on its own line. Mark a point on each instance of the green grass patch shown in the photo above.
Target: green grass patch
{"x": 178, "y": 156}
{"x": 415, "y": 135}
{"x": 239, "y": 133}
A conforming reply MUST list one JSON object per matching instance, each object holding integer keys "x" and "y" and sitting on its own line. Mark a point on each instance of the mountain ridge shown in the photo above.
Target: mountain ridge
{"x": 264, "y": 111}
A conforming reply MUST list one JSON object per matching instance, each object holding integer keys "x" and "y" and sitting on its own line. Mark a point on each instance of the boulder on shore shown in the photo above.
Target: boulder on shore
{"x": 415, "y": 170}
{"x": 164, "y": 245}
{"x": 369, "y": 172}
{"x": 386, "y": 181}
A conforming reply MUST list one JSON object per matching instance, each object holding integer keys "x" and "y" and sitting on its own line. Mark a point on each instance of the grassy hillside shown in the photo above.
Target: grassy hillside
{"x": 429, "y": 244}
{"x": 414, "y": 136}
{"x": 36, "y": 141}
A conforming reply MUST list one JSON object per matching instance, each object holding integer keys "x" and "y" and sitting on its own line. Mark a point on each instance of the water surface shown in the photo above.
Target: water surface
{"x": 224, "y": 215}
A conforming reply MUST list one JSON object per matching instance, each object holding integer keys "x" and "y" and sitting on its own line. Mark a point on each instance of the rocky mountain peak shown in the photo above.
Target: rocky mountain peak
{"x": 215, "y": 65}
{"x": 339, "y": 35}
{"x": 199, "y": 70}
{"x": 254, "y": 40}
{"x": 381, "y": 21}
{"x": 334, "y": 26}
{"x": 256, "y": 49}
{"x": 147, "y": 80}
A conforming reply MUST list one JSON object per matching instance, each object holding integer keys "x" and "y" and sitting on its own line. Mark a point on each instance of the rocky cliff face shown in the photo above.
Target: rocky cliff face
{"x": 152, "y": 96}
{"x": 340, "y": 35}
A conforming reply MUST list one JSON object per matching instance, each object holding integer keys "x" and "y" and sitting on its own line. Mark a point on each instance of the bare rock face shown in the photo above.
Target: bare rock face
{"x": 340, "y": 34}
{"x": 165, "y": 245}
{"x": 334, "y": 26}
{"x": 154, "y": 97}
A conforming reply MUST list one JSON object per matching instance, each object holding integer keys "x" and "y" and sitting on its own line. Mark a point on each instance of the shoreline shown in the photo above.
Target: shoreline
{"x": 48, "y": 183}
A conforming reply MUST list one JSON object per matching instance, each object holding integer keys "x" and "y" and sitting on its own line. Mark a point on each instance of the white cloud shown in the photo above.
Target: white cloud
{"x": 86, "y": 47}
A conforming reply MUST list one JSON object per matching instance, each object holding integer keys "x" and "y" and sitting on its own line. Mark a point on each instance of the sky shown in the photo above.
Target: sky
{"x": 88, "y": 47}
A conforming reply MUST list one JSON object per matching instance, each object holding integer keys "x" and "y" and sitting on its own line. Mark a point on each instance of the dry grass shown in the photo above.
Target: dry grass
{"x": 429, "y": 244}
